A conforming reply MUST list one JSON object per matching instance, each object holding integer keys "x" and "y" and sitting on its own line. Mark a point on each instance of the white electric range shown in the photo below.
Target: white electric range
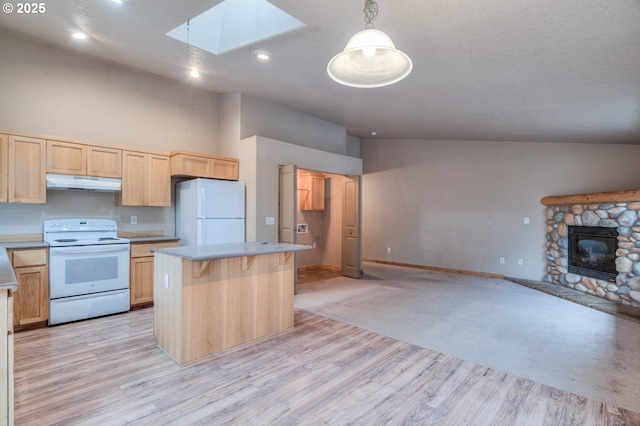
{"x": 88, "y": 269}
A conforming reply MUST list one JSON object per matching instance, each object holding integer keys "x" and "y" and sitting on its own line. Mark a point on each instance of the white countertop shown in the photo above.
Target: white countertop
{"x": 223, "y": 251}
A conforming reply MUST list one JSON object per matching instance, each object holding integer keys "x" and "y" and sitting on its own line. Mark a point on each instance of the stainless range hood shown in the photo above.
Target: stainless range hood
{"x": 83, "y": 183}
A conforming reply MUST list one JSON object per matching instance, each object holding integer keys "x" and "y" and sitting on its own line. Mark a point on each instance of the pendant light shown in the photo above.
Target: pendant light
{"x": 370, "y": 58}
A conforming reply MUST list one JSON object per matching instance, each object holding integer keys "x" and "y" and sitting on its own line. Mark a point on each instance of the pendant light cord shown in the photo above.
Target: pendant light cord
{"x": 370, "y": 12}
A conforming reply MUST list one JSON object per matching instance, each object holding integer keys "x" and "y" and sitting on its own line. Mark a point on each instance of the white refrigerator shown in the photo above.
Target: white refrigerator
{"x": 209, "y": 211}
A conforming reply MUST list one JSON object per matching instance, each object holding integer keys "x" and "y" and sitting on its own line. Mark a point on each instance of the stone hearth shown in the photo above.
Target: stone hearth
{"x": 619, "y": 210}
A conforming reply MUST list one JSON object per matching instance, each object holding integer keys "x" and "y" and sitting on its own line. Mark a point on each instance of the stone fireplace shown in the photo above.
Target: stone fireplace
{"x": 600, "y": 232}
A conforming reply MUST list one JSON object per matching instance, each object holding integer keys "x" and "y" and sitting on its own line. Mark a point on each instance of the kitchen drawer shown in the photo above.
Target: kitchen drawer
{"x": 144, "y": 249}
{"x": 30, "y": 257}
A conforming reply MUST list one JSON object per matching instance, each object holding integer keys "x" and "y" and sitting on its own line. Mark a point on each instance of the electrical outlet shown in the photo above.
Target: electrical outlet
{"x": 520, "y": 262}
{"x": 270, "y": 220}
{"x": 388, "y": 249}
{"x": 502, "y": 261}
{"x": 314, "y": 245}
{"x": 526, "y": 220}
{"x": 134, "y": 220}
{"x": 166, "y": 280}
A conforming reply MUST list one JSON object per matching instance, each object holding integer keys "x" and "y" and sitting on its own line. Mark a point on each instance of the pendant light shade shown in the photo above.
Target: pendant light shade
{"x": 370, "y": 58}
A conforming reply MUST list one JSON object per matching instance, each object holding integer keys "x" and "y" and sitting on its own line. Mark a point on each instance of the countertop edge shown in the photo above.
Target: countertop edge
{"x": 8, "y": 278}
{"x": 17, "y": 245}
{"x": 225, "y": 251}
{"x": 151, "y": 239}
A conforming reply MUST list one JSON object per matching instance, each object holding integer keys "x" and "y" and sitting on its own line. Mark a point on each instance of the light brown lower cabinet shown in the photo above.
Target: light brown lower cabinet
{"x": 31, "y": 301}
{"x": 141, "y": 272}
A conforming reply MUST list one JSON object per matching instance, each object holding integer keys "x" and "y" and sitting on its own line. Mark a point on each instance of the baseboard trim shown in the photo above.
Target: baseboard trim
{"x": 437, "y": 268}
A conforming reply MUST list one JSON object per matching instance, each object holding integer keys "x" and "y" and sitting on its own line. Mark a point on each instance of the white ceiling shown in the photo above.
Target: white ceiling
{"x": 503, "y": 70}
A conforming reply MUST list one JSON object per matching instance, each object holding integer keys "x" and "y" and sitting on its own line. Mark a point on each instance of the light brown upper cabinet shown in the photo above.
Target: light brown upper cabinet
{"x": 146, "y": 179}
{"x": 84, "y": 160}
{"x": 66, "y": 158}
{"x": 191, "y": 164}
{"x": 27, "y": 165}
{"x": 4, "y": 168}
{"x": 104, "y": 162}
{"x": 311, "y": 191}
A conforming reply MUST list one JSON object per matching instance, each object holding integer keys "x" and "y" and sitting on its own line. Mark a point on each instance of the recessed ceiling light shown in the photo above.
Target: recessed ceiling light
{"x": 263, "y": 55}
{"x": 79, "y": 35}
{"x": 194, "y": 73}
{"x": 374, "y": 133}
{"x": 117, "y": 1}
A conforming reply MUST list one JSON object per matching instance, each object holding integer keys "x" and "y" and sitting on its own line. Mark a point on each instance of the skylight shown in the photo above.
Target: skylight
{"x": 232, "y": 24}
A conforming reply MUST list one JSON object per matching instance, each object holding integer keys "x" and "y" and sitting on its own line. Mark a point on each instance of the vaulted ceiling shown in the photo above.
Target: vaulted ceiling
{"x": 501, "y": 70}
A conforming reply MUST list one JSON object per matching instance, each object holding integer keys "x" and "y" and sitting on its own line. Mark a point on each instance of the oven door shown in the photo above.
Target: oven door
{"x": 78, "y": 270}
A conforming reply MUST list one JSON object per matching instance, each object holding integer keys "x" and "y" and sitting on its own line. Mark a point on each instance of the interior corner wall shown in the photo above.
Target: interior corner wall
{"x": 263, "y": 184}
{"x": 353, "y": 146}
{"x": 56, "y": 92}
{"x": 270, "y": 120}
{"x": 229, "y": 124}
{"x": 462, "y": 204}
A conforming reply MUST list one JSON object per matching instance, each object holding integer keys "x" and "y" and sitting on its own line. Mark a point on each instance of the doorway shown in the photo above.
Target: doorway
{"x": 322, "y": 210}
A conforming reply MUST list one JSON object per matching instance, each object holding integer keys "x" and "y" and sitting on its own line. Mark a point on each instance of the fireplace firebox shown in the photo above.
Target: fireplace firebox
{"x": 592, "y": 252}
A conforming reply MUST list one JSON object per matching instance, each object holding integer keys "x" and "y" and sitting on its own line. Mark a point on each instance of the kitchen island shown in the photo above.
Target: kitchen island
{"x": 213, "y": 297}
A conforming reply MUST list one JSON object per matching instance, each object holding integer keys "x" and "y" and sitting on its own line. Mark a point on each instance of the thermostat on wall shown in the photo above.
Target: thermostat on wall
{"x": 302, "y": 228}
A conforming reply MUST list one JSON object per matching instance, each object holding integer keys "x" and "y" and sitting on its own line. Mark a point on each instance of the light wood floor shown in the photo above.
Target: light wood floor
{"x": 108, "y": 371}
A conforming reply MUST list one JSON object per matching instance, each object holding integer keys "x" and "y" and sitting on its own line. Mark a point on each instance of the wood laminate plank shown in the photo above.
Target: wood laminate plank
{"x": 108, "y": 371}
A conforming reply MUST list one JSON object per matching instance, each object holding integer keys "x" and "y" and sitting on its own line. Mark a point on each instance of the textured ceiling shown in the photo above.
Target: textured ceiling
{"x": 504, "y": 70}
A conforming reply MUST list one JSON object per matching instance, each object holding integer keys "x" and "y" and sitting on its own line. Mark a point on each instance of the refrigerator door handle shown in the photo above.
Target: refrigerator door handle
{"x": 203, "y": 203}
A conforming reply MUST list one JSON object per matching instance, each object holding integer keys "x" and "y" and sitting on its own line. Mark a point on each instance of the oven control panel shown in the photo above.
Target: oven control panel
{"x": 58, "y": 225}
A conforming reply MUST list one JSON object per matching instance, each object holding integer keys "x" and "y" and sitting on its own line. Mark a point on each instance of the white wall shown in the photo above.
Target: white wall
{"x": 27, "y": 218}
{"x": 267, "y": 119}
{"x": 461, "y": 204}
{"x": 54, "y": 92}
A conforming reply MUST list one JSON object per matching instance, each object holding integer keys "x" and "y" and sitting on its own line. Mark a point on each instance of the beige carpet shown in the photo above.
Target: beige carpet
{"x": 496, "y": 323}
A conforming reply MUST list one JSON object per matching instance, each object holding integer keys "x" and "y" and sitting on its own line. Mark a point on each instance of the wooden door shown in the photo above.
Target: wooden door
{"x": 288, "y": 212}
{"x": 4, "y": 168}
{"x": 159, "y": 181}
{"x": 31, "y": 301}
{"x": 190, "y": 165}
{"x": 134, "y": 179}
{"x": 66, "y": 158}
{"x": 104, "y": 162}
{"x": 141, "y": 275}
{"x": 27, "y": 170}
{"x": 351, "y": 232}
{"x": 288, "y": 204}
{"x": 224, "y": 169}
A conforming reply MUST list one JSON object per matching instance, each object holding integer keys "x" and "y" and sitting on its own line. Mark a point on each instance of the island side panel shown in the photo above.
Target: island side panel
{"x": 232, "y": 301}
{"x": 275, "y": 294}
{"x": 167, "y": 310}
